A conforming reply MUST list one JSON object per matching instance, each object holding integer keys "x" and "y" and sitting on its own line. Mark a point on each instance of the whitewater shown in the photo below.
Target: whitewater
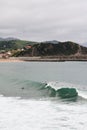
{"x": 27, "y": 104}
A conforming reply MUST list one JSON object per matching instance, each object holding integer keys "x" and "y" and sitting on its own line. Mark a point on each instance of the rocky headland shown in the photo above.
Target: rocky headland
{"x": 42, "y": 51}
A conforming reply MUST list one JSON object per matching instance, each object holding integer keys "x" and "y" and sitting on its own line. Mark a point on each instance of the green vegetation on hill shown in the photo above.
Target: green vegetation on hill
{"x": 29, "y": 48}
{"x": 65, "y": 48}
{"x": 14, "y": 44}
{"x": 7, "y": 45}
{"x": 50, "y": 49}
{"x": 21, "y": 43}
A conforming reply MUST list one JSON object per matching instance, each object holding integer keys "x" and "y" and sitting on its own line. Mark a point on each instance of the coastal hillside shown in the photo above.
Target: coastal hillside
{"x": 23, "y": 48}
{"x": 13, "y": 44}
{"x": 50, "y": 49}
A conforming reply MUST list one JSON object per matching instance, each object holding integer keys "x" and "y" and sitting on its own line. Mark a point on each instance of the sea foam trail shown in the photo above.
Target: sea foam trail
{"x": 57, "y": 85}
{"x": 82, "y": 94}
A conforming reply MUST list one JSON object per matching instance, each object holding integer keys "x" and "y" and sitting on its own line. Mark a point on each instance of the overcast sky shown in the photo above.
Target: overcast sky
{"x": 41, "y": 20}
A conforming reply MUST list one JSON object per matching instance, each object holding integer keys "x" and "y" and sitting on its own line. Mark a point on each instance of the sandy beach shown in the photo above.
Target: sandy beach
{"x": 10, "y": 60}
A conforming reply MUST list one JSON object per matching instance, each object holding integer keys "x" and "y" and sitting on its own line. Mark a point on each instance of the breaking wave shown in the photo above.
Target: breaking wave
{"x": 32, "y": 89}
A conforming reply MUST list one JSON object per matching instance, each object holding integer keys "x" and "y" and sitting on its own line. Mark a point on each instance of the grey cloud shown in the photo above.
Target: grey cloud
{"x": 44, "y": 19}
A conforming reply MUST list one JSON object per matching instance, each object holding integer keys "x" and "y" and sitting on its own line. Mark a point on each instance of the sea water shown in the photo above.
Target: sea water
{"x": 25, "y": 106}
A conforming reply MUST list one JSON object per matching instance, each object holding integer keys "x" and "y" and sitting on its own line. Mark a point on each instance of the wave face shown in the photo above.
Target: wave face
{"x": 67, "y": 92}
{"x": 17, "y": 87}
{"x": 32, "y": 89}
{"x": 18, "y": 80}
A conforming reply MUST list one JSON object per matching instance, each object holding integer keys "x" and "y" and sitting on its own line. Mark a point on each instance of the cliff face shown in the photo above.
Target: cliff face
{"x": 50, "y": 49}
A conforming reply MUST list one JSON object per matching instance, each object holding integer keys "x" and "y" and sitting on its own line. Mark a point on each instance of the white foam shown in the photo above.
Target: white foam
{"x": 82, "y": 94}
{"x": 58, "y": 85}
{"x": 40, "y": 115}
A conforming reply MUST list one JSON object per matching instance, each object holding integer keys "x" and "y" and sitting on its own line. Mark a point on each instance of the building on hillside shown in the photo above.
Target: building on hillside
{"x": 28, "y": 47}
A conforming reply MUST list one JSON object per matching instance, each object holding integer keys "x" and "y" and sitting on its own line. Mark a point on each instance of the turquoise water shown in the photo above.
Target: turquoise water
{"x": 25, "y": 101}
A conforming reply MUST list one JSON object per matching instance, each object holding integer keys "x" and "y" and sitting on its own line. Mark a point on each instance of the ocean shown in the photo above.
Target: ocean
{"x": 29, "y": 99}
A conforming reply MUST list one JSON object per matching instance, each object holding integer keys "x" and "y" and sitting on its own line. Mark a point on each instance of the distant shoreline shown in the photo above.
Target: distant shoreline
{"x": 10, "y": 60}
{"x": 53, "y": 59}
{"x": 43, "y": 59}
